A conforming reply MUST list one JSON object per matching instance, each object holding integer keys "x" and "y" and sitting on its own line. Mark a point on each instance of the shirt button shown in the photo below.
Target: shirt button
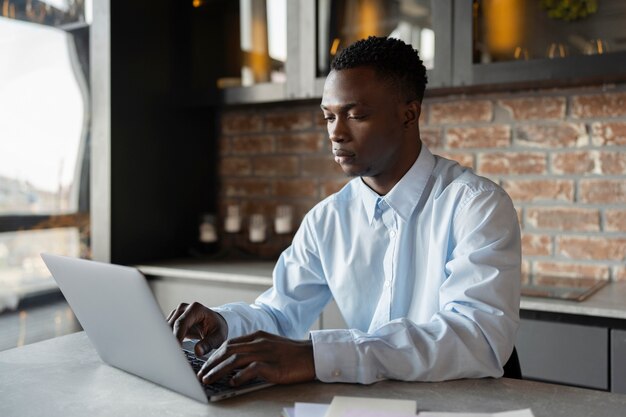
{"x": 387, "y": 284}
{"x": 380, "y": 376}
{"x": 336, "y": 373}
{"x": 392, "y": 233}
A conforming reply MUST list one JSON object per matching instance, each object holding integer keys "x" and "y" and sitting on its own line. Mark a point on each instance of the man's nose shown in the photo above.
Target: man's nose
{"x": 337, "y": 131}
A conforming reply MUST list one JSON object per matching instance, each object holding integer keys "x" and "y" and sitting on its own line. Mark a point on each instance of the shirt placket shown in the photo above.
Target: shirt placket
{"x": 383, "y": 310}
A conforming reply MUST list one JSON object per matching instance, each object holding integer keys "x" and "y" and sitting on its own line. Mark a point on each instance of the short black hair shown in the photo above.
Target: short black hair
{"x": 391, "y": 58}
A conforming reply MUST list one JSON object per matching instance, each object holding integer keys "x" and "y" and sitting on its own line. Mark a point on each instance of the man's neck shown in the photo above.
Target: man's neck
{"x": 382, "y": 184}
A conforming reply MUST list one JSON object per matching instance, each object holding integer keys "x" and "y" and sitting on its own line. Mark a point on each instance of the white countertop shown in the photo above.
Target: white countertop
{"x": 65, "y": 377}
{"x": 608, "y": 302}
{"x": 259, "y": 273}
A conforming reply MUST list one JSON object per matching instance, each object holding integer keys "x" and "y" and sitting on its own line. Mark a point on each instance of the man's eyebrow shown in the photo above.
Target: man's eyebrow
{"x": 343, "y": 107}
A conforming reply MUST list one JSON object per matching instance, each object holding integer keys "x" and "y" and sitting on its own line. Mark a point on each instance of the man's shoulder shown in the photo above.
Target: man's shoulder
{"x": 450, "y": 176}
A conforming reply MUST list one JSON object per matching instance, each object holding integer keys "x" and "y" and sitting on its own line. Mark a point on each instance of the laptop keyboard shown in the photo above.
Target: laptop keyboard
{"x": 222, "y": 384}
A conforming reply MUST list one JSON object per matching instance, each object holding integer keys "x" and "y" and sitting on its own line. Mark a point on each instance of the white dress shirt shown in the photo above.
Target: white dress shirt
{"x": 427, "y": 279}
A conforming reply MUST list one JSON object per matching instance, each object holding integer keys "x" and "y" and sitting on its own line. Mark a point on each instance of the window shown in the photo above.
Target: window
{"x": 44, "y": 141}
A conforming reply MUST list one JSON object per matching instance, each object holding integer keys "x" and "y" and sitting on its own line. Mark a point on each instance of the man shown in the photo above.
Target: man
{"x": 421, "y": 255}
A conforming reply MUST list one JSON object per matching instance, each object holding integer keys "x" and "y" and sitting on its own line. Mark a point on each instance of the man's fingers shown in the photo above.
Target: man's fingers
{"x": 184, "y": 321}
{"x": 212, "y": 341}
{"x": 255, "y": 370}
{"x": 273, "y": 358}
{"x": 212, "y": 372}
{"x": 174, "y": 314}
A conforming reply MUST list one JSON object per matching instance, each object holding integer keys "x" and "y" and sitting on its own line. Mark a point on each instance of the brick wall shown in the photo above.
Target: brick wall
{"x": 559, "y": 153}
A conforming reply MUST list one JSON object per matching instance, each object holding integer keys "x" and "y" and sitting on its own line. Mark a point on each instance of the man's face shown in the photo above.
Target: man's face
{"x": 365, "y": 121}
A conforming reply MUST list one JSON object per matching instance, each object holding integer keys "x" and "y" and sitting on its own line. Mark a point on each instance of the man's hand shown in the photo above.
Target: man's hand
{"x": 196, "y": 321}
{"x": 273, "y": 358}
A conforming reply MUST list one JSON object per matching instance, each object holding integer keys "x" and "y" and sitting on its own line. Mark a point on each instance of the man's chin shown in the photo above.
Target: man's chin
{"x": 354, "y": 172}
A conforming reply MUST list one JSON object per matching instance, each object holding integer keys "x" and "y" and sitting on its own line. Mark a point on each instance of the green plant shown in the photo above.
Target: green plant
{"x": 569, "y": 10}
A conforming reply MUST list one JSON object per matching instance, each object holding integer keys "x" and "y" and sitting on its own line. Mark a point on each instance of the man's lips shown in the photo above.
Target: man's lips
{"x": 342, "y": 153}
{"x": 343, "y": 156}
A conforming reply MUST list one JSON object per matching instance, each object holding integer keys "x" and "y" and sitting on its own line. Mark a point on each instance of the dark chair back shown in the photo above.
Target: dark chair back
{"x": 512, "y": 368}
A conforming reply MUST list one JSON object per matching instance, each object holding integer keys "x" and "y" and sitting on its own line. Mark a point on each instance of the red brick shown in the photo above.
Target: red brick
{"x": 494, "y": 136}
{"x": 615, "y": 220}
{"x": 570, "y": 282}
{"x": 612, "y": 162}
{"x": 589, "y": 162}
{"x": 525, "y": 271}
{"x": 512, "y": 163}
{"x": 301, "y": 142}
{"x": 296, "y": 188}
{"x": 224, "y": 145}
{"x": 246, "y": 187}
{"x": 539, "y": 190}
{"x": 322, "y": 166}
{"x": 564, "y": 135}
{"x": 536, "y": 245}
{"x": 332, "y": 186}
{"x": 423, "y": 120}
{"x": 562, "y": 269}
{"x": 252, "y": 144}
{"x": 520, "y": 215}
{"x": 619, "y": 273}
{"x": 289, "y": 120}
{"x": 318, "y": 119}
{"x": 608, "y": 133}
{"x": 235, "y": 166}
{"x": 534, "y": 108}
{"x": 592, "y": 248}
{"x": 431, "y": 137}
{"x": 581, "y": 162}
{"x": 276, "y": 166}
{"x": 465, "y": 159}
{"x": 235, "y": 123}
{"x": 461, "y": 111}
{"x": 599, "y": 105}
{"x": 570, "y": 219}
{"x": 602, "y": 191}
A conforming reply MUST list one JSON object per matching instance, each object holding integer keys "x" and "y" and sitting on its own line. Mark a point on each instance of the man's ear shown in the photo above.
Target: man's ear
{"x": 412, "y": 112}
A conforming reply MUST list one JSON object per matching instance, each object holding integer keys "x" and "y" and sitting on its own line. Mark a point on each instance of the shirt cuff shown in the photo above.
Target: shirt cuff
{"x": 335, "y": 356}
{"x": 235, "y": 327}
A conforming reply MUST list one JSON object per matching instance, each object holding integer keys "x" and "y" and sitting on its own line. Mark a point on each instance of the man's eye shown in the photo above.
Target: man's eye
{"x": 329, "y": 118}
{"x": 356, "y": 116}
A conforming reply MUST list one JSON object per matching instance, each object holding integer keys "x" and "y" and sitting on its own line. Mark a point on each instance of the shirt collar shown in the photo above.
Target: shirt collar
{"x": 406, "y": 194}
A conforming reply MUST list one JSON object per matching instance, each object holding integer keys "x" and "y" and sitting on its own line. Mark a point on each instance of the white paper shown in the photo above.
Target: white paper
{"x": 369, "y": 413}
{"x": 341, "y": 405}
{"x": 515, "y": 413}
{"x": 310, "y": 410}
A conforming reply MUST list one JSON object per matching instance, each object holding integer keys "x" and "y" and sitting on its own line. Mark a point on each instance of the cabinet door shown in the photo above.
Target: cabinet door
{"x": 424, "y": 24}
{"x": 515, "y": 41}
{"x": 564, "y": 353}
{"x": 618, "y": 361}
{"x": 170, "y": 292}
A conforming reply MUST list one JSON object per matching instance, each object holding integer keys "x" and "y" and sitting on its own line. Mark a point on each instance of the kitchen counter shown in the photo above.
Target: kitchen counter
{"x": 258, "y": 273}
{"x": 608, "y": 302}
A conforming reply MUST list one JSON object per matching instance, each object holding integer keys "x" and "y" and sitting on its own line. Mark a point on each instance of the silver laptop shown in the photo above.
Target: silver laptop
{"x": 122, "y": 319}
